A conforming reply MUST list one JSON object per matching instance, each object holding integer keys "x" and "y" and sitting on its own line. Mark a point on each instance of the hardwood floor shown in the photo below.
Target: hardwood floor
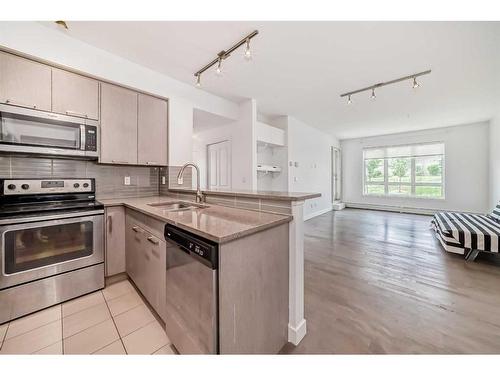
{"x": 379, "y": 282}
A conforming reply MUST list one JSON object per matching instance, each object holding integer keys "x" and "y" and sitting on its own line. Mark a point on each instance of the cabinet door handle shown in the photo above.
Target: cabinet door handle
{"x": 74, "y": 113}
{"x": 110, "y": 224}
{"x": 153, "y": 240}
{"x": 136, "y": 229}
{"x": 8, "y": 101}
{"x": 151, "y": 163}
{"x": 119, "y": 161}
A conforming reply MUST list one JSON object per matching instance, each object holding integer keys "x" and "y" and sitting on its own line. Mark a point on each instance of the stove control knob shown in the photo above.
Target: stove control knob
{"x": 85, "y": 185}
{"x": 25, "y": 186}
{"x": 11, "y": 186}
{"x": 76, "y": 185}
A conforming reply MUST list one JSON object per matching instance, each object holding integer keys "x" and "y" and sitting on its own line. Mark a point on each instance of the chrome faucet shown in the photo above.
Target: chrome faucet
{"x": 180, "y": 180}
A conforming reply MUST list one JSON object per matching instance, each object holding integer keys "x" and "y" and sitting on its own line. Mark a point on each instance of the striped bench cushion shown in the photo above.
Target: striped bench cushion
{"x": 495, "y": 215}
{"x": 468, "y": 231}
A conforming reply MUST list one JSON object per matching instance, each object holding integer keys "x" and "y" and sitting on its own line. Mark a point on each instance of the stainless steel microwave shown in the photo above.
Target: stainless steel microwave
{"x": 25, "y": 130}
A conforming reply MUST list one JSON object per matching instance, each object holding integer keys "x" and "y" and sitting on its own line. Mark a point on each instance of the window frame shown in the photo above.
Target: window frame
{"x": 413, "y": 184}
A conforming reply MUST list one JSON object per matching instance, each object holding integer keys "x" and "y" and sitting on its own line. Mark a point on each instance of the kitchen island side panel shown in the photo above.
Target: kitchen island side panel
{"x": 253, "y": 293}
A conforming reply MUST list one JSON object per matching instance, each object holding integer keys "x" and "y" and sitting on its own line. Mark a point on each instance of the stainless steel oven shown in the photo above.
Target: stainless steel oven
{"x": 47, "y": 246}
{"x": 51, "y": 243}
{"x": 25, "y": 130}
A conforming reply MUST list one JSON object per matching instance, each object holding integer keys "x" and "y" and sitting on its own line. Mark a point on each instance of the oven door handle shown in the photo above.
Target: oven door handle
{"x": 49, "y": 217}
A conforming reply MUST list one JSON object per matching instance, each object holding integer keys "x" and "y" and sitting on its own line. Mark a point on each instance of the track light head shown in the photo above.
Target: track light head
{"x": 373, "y": 96}
{"x": 416, "y": 85}
{"x": 349, "y": 101}
{"x": 248, "y": 53}
{"x": 198, "y": 80}
{"x": 218, "y": 71}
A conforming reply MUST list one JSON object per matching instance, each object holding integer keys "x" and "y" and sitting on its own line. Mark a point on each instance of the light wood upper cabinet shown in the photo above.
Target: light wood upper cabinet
{"x": 152, "y": 130}
{"x": 24, "y": 83}
{"x": 75, "y": 95}
{"x": 118, "y": 125}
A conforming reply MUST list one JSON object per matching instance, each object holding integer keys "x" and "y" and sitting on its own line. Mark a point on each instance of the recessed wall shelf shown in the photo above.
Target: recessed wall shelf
{"x": 268, "y": 168}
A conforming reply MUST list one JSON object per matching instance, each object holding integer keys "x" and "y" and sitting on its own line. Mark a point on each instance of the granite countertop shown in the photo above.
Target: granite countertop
{"x": 217, "y": 223}
{"x": 276, "y": 195}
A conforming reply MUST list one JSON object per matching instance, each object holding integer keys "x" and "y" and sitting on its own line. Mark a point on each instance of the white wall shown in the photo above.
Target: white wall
{"x": 466, "y": 168}
{"x": 54, "y": 46}
{"x": 311, "y": 148}
{"x": 244, "y": 155}
{"x": 241, "y": 134}
{"x": 180, "y": 131}
{"x": 202, "y": 139}
{"x": 494, "y": 137}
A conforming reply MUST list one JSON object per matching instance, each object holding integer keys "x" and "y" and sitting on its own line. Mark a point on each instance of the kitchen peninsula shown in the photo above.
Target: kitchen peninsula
{"x": 260, "y": 259}
{"x": 290, "y": 203}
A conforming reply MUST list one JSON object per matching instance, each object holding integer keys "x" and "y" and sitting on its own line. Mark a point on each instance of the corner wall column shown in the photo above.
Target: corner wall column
{"x": 296, "y": 321}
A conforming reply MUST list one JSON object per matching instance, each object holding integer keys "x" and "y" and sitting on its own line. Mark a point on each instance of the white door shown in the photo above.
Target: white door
{"x": 219, "y": 165}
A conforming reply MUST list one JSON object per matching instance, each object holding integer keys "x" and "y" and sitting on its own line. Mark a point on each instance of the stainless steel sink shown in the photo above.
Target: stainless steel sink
{"x": 177, "y": 206}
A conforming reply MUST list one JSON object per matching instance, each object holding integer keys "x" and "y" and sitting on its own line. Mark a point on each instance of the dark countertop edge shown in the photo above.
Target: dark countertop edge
{"x": 263, "y": 195}
{"x": 219, "y": 240}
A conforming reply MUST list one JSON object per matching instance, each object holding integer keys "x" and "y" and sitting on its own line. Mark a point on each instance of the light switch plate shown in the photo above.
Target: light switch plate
{"x": 126, "y": 180}
{"x": 163, "y": 180}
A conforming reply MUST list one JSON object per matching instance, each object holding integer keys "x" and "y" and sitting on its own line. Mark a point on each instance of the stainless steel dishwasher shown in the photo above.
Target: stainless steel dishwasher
{"x": 191, "y": 316}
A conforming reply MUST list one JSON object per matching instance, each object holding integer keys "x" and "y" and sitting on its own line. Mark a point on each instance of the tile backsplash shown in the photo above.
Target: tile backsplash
{"x": 170, "y": 174}
{"x": 144, "y": 181}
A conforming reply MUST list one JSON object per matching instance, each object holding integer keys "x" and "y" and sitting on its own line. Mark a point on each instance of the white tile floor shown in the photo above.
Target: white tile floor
{"x": 112, "y": 321}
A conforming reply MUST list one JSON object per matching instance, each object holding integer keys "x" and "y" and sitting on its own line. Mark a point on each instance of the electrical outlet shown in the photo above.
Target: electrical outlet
{"x": 126, "y": 180}
{"x": 296, "y": 164}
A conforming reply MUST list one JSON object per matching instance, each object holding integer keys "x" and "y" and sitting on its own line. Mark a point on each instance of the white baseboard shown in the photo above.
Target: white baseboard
{"x": 407, "y": 210}
{"x": 338, "y": 205}
{"x": 382, "y": 207}
{"x": 317, "y": 213}
{"x": 296, "y": 334}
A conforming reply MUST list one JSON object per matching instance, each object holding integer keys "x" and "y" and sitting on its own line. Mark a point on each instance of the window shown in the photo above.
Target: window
{"x": 405, "y": 171}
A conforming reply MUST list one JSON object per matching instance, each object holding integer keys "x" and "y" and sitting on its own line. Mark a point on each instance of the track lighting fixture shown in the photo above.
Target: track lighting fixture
{"x": 248, "y": 53}
{"x": 218, "y": 71}
{"x": 415, "y": 83}
{"x": 224, "y": 54}
{"x": 381, "y": 84}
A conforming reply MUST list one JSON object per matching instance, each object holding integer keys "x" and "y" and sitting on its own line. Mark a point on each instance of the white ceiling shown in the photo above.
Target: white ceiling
{"x": 300, "y": 68}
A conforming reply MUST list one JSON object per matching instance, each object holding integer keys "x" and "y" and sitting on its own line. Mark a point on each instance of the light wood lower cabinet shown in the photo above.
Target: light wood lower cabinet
{"x": 156, "y": 260}
{"x": 115, "y": 240}
{"x": 145, "y": 256}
